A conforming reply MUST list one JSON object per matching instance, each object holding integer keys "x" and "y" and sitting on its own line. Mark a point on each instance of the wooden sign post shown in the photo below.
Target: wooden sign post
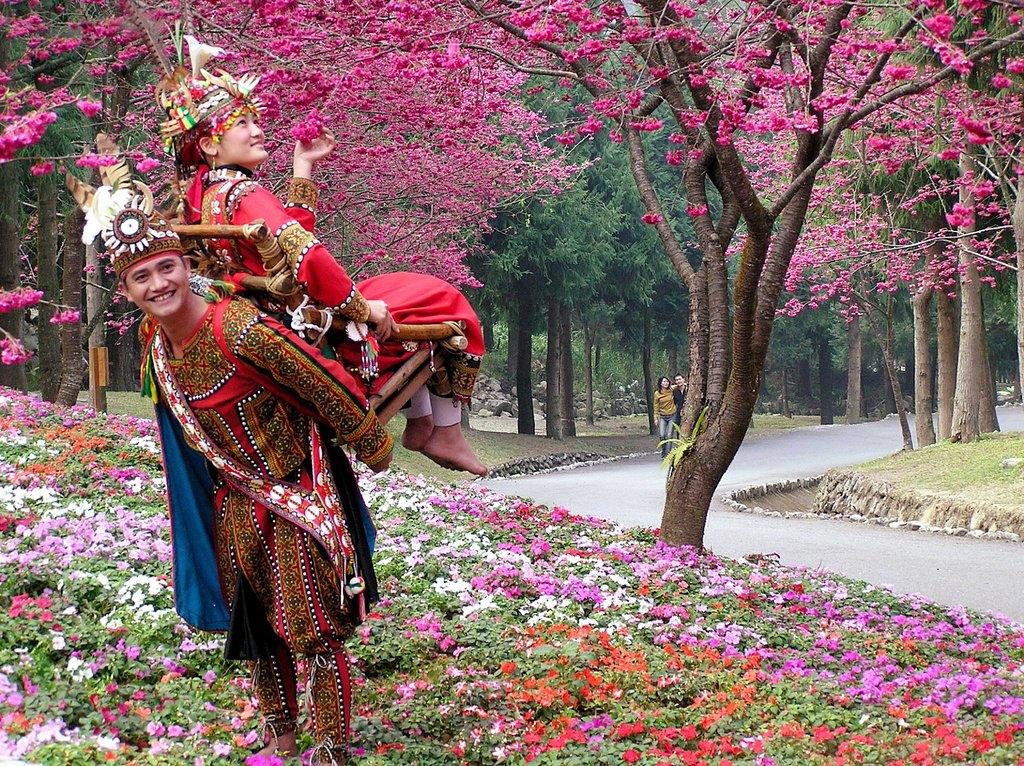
{"x": 98, "y": 377}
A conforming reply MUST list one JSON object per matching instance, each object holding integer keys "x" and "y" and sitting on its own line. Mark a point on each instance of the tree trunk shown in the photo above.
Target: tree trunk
{"x": 698, "y": 333}
{"x": 971, "y": 377}
{"x": 673, "y": 361}
{"x": 764, "y": 260}
{"x": 588, "y": 368}
{"x": 648, "y": 376}
{"x": 11, "y": 322}
{"x": 825, "y": 380}
{"x": 124, "y": 355}
{"x": 1018, "y": 239}
{"x": 514, "y": 323}
{"x": 522, "y": 355}
{"x": 886, "y": 332}
{"x": 786, "y": 411}
{"x": 804, "y": 388}
{"x": 987, "y": 420}
{"x": 923, "y": 425}
{"x": 46, "y": 277}
{"x": 566, "y": 388}
{"x": 855, "y": 358}
{"x": 96, "y": 300}
{"x": 553, "y": 403}
{"x": 72, "y": 361}
{"x": 948, "y": 333}
{"x": 487, "y": 325}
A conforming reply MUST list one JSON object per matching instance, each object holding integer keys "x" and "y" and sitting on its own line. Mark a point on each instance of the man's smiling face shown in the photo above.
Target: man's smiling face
{"x": 158, "y": 286}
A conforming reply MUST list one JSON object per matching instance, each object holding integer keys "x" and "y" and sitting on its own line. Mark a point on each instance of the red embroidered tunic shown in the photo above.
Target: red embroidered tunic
{"x": 254, "y": 386}
{"x": 232, "y": 197}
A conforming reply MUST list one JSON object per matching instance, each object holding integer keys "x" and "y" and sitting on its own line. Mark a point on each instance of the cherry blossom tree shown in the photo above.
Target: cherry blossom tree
{"x": 759, "y": 97}
{"x": 430, "y": 141}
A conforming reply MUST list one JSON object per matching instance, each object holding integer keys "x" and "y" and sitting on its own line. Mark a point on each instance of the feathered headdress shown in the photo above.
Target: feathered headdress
{"x": 196, "y": 101}
{"x": 194, "y": 97}
{"x": 119, "y": 216}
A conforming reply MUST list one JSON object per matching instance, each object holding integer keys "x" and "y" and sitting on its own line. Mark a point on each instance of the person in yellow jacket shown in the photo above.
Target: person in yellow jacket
{"x": 664, "y": 411}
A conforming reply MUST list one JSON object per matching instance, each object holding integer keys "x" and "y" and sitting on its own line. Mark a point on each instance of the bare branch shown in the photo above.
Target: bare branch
{"x": 541, "y": 71}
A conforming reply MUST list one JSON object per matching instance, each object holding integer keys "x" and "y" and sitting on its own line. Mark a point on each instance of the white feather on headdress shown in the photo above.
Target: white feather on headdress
{"x": 199, "y": 53}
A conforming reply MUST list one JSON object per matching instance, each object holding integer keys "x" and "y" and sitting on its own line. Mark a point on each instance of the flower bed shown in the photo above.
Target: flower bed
{"x": 509, "y": 633}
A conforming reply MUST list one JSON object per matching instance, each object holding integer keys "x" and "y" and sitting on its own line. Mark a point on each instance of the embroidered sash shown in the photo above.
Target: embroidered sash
{"x": 313, "y": 511}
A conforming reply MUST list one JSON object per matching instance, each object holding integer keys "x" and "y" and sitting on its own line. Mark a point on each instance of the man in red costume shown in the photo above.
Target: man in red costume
{"x": 272, "y": 541}
{"x": 214, "y": 135}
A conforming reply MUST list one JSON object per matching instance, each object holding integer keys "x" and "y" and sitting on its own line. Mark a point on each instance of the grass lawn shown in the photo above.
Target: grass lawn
{"x": 969, "y": 472}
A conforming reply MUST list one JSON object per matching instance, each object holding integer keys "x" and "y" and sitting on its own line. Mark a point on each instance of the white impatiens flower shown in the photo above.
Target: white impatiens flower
{"x": 106, "y": 204}
{"x": 199, "y": 53}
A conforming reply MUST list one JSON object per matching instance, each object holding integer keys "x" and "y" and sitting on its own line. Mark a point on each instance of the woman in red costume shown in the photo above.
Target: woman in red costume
{"x": 218, "y": 144}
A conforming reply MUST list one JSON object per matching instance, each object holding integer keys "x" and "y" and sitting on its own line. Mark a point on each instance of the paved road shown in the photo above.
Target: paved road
{"x": 951, "y": 570}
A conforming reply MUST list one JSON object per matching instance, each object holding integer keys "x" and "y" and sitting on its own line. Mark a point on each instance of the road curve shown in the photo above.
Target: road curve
{"x": 981, "y": 574}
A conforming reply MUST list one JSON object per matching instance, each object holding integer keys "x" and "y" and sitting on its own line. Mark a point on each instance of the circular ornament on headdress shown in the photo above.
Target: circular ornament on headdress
{"x": 130, "y": 226}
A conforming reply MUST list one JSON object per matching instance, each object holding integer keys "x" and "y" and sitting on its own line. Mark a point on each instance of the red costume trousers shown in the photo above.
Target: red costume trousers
{"x": 300, "y": 596}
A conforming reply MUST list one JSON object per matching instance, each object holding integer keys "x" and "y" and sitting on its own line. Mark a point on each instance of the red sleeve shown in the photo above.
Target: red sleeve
{"x": 305, "y": 216}
{"x": 318, "y": 385}
{"x": 314, "y": 268}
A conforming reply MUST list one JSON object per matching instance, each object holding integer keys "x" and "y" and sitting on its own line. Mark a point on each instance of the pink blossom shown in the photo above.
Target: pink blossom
{"x": 41, "y": 168}
{"x": 652, "y": 218}
{"x": 89, "y": 108}
{"x": 310, "y": 128}
{"x": 66, "y": 316}
{"x": 647, "y": 125}
{"x": 695, "y": 211}
{"x": 1015, "y": 66}
{"x": 22, "y": 298}
{"x": 941, "y": 25}
{"x": 961, "y": 216}
{"x": 24, "y": 131}
{"x": 1000, "y": 80}
{"x": 147, "y": 164}
{"x": 94, "y": 161}
{"x": 900, "y": 71}
{"x": 13, "y": 352}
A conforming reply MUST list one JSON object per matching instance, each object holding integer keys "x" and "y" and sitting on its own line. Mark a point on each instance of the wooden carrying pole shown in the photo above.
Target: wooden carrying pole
{"x": 254, "y": 231}
{"x": 402, "y": 385}
{"x": 413, "y": 373}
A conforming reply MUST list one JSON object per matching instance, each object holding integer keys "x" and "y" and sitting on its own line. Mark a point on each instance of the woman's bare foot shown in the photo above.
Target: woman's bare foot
{"x": 417, "y": 433}
{"x": 447, "y": 447}
{"x": 283, "y": 745}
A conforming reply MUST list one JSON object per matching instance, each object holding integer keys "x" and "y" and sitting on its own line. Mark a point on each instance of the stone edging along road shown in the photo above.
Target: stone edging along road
{"x": 889, "y": 506}
{"x": 560, "y": 461}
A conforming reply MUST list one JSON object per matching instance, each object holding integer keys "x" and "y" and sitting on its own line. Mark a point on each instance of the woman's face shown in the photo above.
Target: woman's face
{"x": 241, "y": 145}
{"x": 664, "y": 383}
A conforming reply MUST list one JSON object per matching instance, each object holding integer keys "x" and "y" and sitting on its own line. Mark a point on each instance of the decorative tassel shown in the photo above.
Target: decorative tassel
{"x": 218, "y": 290}
{"x": 368, "y": 364}
{"x": 211, "y": 290}
{"x": 147, "y": 379}
{"x": 149, "y": 388}
{"x": 354, "y": 586}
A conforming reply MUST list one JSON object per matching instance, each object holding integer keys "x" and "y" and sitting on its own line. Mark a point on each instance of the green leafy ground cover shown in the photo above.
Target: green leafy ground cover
{"x": 509, "y": 633}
